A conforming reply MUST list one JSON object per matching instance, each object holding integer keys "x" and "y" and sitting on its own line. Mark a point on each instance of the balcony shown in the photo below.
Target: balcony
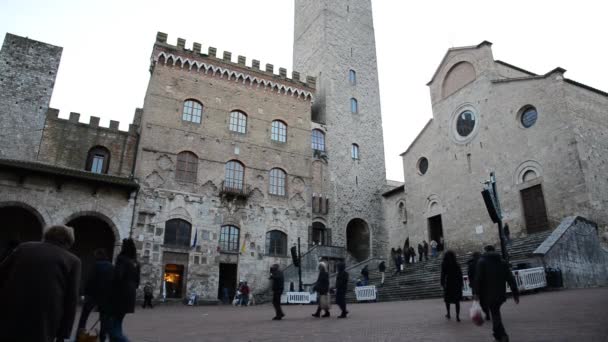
{"x": 235, "y": 190}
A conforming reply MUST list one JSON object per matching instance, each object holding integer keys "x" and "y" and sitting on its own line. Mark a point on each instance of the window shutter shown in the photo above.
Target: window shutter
{"x": 328, "y": 240}
{"x": 309, "y": 237}
{"x": 326, "y": 206}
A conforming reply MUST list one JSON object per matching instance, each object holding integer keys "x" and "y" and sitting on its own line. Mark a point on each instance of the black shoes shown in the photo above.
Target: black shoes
{"x": 316, "y": 315}
{"x": 343, "y": 315}
{"x": 326, "y": 314}
{"x": 278, "y": 318}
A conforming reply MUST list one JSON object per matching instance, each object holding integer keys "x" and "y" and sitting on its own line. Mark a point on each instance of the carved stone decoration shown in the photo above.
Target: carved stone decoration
{"x": 297, "y": 202}
{"x": 297, "y": 185}
{"x": 154, "y": 180}
{"x": 209, "y": 189}
{"x": 165, "y": 163}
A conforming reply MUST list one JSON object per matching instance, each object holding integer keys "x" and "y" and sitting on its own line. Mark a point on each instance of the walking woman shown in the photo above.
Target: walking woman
{"x": 322, "y": 289}
{"x": 451, "y": 281}
{"x": 124, "y": 285}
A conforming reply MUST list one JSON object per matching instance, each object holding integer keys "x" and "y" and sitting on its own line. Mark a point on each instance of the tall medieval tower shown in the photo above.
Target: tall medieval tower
{"x": 334, "y": 41}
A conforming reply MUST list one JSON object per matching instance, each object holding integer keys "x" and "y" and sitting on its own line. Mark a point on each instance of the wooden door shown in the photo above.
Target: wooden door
{"x": 535, "y": 212}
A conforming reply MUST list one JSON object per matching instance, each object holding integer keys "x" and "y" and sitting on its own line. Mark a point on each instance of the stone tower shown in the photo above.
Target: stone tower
{"x": 27, "y": 76}
{"x": 334, "y": 40}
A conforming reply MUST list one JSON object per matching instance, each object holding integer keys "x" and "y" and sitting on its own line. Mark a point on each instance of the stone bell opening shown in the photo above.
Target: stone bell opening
{"x": 357, "y": 239}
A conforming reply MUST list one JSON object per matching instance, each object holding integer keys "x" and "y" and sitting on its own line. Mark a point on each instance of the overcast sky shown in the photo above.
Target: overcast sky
{"x": 107, "y": 45}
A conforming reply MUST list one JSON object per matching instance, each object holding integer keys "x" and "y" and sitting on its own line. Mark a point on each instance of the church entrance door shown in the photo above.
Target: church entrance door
{"x": 436, "y": 231}
{"x": 535, "y": 212}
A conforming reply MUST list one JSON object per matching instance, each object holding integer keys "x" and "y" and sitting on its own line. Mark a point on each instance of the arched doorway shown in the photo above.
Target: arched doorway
{"x": 357, "y": 239}
{"x": 91, "y": 233}
{"x": 18, "y": 224}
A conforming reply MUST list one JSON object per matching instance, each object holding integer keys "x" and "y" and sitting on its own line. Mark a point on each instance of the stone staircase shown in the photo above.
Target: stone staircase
{"x": 421, "y": 280}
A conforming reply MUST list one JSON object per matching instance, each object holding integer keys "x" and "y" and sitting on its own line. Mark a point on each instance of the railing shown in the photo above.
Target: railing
{"x": 527, "y": 279}
{"x": 365, "y": 292}
{"x": 298, "y": 297}
{"x": 235, "y": 189}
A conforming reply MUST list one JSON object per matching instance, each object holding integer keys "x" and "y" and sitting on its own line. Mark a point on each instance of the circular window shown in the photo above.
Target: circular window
{"x": 465, "y": 123}
{"x": 423, "y": 165}
{"x": 528, "y": 117}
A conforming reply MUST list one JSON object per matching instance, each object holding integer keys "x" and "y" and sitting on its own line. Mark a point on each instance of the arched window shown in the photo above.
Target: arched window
{"x": 98, "y": 160}
{"x": 354, "y": 151}
{"x": 354, "y": 106}
{"x": 238, "y": 122}
{"x": 352, "y": 77}
{"x": 235, "y": 173}
{"x": 319, "y": 234}
{"x": 177, "y": 233}
{"x": 318, "y": 140}
{"x": 187, "y": 167}
{"x": 279, "y": 131}
{"x": 277, "y": 182}
{"x": 229, "y": 238}
{"x": 276, "y": 243}
{"x": 193, "y": 111}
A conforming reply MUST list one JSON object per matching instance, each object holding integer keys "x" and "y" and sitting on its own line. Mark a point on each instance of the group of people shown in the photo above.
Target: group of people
{"x": 242, "y": 294}
{"x": 407, "y": 255}
{"x": 488, "y": 275}
{"x": 40, "y": 287}
{"x": 322, "y": 288}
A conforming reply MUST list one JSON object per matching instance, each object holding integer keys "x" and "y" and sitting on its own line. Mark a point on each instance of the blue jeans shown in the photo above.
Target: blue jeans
{"x": 116, "y": 334}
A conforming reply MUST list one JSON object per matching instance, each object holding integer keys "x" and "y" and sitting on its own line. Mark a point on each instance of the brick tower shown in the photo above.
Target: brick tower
{"x": 27, "y": 76}
{"x": 334, "y": 40}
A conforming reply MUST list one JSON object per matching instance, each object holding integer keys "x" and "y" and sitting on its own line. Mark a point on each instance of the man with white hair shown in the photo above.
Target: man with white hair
{"x": 39, "y": 284}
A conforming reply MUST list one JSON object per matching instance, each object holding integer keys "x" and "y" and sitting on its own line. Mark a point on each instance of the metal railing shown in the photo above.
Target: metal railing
{"x": 526, "y": 279}
{"x": 235, "y": 189}
{"x": 298, "y": 298}
{"x": 365, "y": 292}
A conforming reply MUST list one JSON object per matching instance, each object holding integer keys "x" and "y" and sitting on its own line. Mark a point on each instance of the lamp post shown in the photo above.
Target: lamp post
{"x": 490, "y": 197}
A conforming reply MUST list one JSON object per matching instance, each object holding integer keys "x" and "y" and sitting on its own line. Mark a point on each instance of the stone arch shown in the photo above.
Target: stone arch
{"x": 434, "y": 205}
{"x": 402, "y": 210}
{"x": 20, "y": 223}
{"x": 358, "y": 236}
{"x": 527, "y": 171}
{"x": 459, "y": 75}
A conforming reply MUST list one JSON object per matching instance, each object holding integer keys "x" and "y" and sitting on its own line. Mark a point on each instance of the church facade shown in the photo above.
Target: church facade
{"x": 544, "y": 136}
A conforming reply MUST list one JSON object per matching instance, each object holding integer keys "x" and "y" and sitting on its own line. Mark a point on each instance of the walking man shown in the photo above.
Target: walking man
{"x": 425, "y": 247}
{"x": 490, "y": 277}
{"x": 148, "y": 290}
{"x": 420, "y": 252}
{"x": 382, "y": 269}
{"x": 277, "y": 290}
{"x": 342, "y": 285}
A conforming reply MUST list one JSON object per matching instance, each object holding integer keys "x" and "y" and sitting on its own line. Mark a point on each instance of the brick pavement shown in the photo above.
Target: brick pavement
{"x": 569, "y": 315}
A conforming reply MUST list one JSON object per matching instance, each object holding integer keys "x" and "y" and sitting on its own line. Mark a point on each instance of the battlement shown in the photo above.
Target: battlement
{"x": 195, "y": 60}
{"x": 53, "y": 114}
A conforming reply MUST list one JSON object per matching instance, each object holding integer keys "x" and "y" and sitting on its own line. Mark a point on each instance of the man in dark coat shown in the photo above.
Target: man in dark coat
{"x": 420, "y": 252}
{"x": 425, "y": 247}
{"x": 382, "y": 270}
{"x": 471, "y": 269}
{"x": 277, "y": 290}
{"x": 341, "y": 287}
{"x": 491, "y": 275}
{"x": 97, "y": 293}
{"x": 365, "y": 275}
{"x": 124, "y": 287}
{"x": 39, "y": 284}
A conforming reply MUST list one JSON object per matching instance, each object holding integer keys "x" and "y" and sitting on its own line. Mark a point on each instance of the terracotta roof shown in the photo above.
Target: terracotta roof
{"x": 48, "y": 169}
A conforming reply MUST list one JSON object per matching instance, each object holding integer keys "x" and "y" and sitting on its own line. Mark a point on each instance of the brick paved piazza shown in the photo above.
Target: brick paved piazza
{"x": 572, "y": 315}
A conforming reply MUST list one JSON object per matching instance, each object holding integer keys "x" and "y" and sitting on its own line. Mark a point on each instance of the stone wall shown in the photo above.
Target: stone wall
{"x": 574, "y": 248}
{"x": 67, "y": 142}
{"x": 27, "y": 76}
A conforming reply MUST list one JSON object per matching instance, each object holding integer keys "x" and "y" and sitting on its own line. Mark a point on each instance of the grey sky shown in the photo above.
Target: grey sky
{"x": 107, "y": 45}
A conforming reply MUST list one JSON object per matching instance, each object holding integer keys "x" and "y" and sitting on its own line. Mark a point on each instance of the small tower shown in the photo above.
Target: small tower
{"x": 27, "y": 76}
{"x": 334, "y": 40}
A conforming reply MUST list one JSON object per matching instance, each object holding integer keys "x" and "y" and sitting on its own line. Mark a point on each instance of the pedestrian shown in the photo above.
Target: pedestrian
{"x": 491, "y": 275}
{"x": 471, "y": 268}
{"x": 507, "y": 234}
{"x": 412, "y": 254}
{"x": 341, "y": 287}
{"x": 124, "y": 287}
{"x": 451, "y": 282}
{"x": 244, "y": 294}
{"x": 406, "y": 255}
{"x": 382, "y": 269}
{"x": 420, "y": 252}
{"x": 433, "y": 248}
{"x": 425, "y": 247}
{"x": 398, "y": 263}
{"x": 365, "y": 275}
{"x": 322, "y": 289}
{"x": 441, "y": 244}
{"x": 148, "y": 295}
{"x": 97, "y": 294}
{"x": 277, "y": 290}
{"x": 39, "y": 285}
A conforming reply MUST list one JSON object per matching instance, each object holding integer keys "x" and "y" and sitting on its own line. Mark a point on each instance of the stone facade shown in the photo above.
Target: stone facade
{"x": 27, "y": 76}
{"x": 332, "y": 39}
{"x": 562, "y": 153}
{"x": 206, "y": 202}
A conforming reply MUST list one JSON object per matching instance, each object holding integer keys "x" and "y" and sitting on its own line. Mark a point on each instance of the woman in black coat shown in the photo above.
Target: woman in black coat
{"x": 322, "y": 289}
{"x": 451, "y": 281}
{"x": 124, "y": 286}
{"x": 341, "y": 287}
